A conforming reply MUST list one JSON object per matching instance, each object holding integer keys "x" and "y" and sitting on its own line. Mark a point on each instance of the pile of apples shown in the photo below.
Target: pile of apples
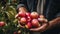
{"x": 29, "y": 20}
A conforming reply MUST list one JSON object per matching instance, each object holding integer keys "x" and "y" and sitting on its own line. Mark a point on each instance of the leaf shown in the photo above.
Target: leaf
{"x": 8, "y": 15}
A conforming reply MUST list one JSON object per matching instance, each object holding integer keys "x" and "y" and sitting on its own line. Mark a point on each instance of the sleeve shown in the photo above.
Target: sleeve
{"x": 22, "y": 3}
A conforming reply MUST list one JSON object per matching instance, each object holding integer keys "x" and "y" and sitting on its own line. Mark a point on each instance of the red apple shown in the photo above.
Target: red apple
{"x": 35, "y": 23}
{"x": 34, "y": 15}
{"x": 23, "y": 20}
{"x": 2, "y": 23}
{"x": 28, "y": 18}
{"x": 41, "y": 18}
{"x": 27, "y": 14}
{"x": 15, "y": 32}
{"x": 28, "y": 25}
{"x": 22, "y": 14}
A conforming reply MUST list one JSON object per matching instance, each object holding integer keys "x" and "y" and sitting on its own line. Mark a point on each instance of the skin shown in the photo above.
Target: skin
{"x": 22, "y": 9}
{"x": 45, "y": 25}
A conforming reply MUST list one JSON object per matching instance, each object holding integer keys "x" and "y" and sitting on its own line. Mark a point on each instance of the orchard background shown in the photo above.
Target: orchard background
{"x": 7, "y": 15}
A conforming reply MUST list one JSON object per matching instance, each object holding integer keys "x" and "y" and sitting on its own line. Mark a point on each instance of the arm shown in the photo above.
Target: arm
{"x": 55, "y": 22}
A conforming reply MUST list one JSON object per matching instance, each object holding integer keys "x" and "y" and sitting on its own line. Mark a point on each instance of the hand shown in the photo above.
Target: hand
{"x": 22, "y": 9}
{"x": 41, "y": 28}
{"x": 21, "y": 25}
{"x": 50, "y": 25}
{"x": 54, "y": 23}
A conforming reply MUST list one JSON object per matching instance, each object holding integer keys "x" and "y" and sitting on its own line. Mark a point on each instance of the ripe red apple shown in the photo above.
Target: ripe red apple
{"x": 35, "y": 23}
{"x": 2, "y": 23}
{"x": 28, "y": 18}
{"x": 22, "y": 14}
{"x": 23, "y": 20}
{"x": 27, "y": 14}
{"x": 28, "y": 25}
{"x": 15, "y": 32}
{"x": 34, "y": 15}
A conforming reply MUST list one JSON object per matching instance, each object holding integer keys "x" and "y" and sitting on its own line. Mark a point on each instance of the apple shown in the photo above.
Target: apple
{"x": 23, "y": 20}
{"x": 34, "y": 15}
{"x": 41, "y": 16}
{"x": 28, "y": 25}
{"x": 2, "y": 23}
{"x": 28, "y": 18}
{"x": 19, "y": 32}
{"x": 35, "y": 23}
{"x": 27, "y": 14}
{"x": 42, "y": 19}
{"x": 15, "y": 32}
{"x": 22, "y": 14}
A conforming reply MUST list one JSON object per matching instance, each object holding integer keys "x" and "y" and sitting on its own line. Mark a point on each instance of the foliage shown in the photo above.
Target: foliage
{"x": 7, "y": 15}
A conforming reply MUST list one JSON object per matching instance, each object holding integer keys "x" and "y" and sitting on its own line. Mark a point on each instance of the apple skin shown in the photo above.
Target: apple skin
{"x": 29, "y": 19}
{"x": 27, "y": 14}
{"x": 15, "y": 32}
{"x": 42, "y": 19}
{"x": 22, "y": 14}
{"x": 23, "y": 20}
{"x": 2, "y": 23}
{"x": 35, "y": 23}
{"x": 34, "y": 15}
{"x": 28, "y": 25}
{"x": 41, "y": 16}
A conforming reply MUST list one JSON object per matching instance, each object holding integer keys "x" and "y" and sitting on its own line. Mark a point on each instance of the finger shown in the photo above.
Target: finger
{"x": 45, "y": 20}
{"x": 34, "y": 29}
{"x": 22, "y": 26}
{"x": 16, "y": 16}
{"x": 43, "y": 27}
{"x": 40, "y": 29}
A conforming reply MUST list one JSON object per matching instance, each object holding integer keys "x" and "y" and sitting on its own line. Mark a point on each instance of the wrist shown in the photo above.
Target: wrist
{"x": 54, "y": 23}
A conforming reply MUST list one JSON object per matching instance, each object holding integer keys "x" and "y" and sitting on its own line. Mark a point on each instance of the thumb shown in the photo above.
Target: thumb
{"x": 42, "y": 20}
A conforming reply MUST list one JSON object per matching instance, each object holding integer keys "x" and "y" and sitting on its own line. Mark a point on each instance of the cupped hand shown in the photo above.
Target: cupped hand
{"x": 41, "y": 28}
